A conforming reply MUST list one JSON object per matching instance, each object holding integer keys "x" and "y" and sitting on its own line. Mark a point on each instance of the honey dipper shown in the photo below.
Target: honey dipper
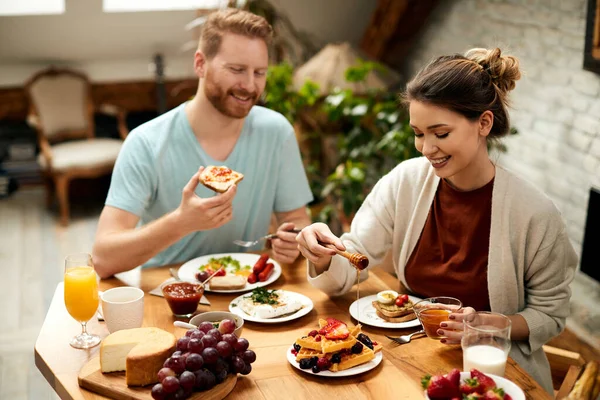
{"x": 358, "y": 260}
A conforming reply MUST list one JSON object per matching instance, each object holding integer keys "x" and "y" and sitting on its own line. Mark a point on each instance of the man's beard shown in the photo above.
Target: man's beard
{"x": 222, "y": 101}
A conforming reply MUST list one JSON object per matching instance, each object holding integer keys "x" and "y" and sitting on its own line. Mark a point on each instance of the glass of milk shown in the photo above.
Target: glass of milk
{"x": 486, "y": 342}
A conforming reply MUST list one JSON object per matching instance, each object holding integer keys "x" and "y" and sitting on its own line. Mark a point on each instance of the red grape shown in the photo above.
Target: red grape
{"x": 210, "y": 380}
{"x": 164, "y": 372}
{"x": 249, "y": 356}
{"x": 158, "y": 392}
{"x": 177, "y": 353}
{"x": 200, "y": 379}
{"x": 220, "y": 376}
{"x": 180, "y": 394}
{"x": 226, "y": 326}
{"x": 189, "y": 332}
{"x": 170, "y": 384}
{"x": 187, "y": 380}
{"x": 202, "y": 276}
{"x": 176, "y": 363}
{"x": 247, "y": 370}
{"x": 229, "y": 338}
{"x": 241, "y": 345}
{"x": 182, "y": 343}
{"x": 215, "y": 332}
{"x": 210, "y": 355}
{"x": 206, "y": 326}
{"x": 195, "y": 346}
{"x": 238, "y": 364}
{"x": 194, "y": 362}
{"x": 209, "y": 341}
{"x": 224, "y": 349}
{"x": 197, "y": 334}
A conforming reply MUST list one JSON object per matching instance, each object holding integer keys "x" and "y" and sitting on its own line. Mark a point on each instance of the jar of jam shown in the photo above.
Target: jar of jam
{"x": 183, "y": 297}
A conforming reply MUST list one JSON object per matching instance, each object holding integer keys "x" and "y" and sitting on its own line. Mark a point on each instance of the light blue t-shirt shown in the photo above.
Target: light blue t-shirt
{"x": 159, "y": 157}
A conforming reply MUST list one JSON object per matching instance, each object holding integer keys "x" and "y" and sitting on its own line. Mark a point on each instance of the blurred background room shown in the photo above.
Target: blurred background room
{"x": 100, "y": 68}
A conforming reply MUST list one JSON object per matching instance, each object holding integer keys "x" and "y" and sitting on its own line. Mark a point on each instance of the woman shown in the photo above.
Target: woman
{"x": 457, "y": 224}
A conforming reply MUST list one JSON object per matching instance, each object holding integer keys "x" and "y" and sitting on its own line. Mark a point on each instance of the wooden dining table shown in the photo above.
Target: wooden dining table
{"x": 396, "y": 377}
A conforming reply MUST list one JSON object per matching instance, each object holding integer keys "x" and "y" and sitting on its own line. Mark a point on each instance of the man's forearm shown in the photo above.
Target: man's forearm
{"x": 116, "y": 252}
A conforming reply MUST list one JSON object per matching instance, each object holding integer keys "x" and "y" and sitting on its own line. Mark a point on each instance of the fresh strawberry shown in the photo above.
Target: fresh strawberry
{"x": 486, "y": 382}
{"x": 507, "y": 396}
{"x": 439, "y": 387}
{"x": 334, "y": 330}
{"x": 454, "y": 377}
{"x": 473, "y": 396}
{"x": 472, "y": 385}
{"x": 494, "y": 394}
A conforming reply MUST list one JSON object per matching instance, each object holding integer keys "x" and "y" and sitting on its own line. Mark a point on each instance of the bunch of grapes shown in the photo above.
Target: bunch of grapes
{"x": 204, "y": 358}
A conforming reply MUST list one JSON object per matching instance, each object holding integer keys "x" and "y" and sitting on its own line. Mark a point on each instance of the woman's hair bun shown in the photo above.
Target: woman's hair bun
{"x": 504, "y": 70}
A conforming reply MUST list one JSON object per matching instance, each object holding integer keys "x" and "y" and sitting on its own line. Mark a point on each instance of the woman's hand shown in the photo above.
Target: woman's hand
{"x": 310, "y": 243}
{"x": 453, "y": 328}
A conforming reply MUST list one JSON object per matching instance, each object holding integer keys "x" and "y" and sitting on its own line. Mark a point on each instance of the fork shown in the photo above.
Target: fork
{"x": 404, "y": 339}
{"x": 250, "y": 243}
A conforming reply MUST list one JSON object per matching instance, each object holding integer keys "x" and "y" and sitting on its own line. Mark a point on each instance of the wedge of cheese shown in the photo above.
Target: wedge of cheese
{"x": 140, "y": 352}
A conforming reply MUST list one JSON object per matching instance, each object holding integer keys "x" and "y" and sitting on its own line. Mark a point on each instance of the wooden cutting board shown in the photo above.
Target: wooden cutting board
{"x": 113, "y": 385}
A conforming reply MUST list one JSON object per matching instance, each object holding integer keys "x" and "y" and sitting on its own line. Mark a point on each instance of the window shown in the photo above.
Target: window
{"x": 591, "y": 57}
{"x": 159, "y": 5}
{"x": 31, "y": 7}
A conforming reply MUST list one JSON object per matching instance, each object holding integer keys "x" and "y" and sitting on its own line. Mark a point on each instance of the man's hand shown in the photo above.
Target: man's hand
{"x": 285, "y": 248}
{"x": 197, "y": 214}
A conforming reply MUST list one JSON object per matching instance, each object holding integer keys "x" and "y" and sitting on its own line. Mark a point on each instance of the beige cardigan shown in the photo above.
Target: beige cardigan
{"x": 530, "y": 264}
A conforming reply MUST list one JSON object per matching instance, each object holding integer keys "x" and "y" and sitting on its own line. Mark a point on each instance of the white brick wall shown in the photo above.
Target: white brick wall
{"x": 556, "y": 104}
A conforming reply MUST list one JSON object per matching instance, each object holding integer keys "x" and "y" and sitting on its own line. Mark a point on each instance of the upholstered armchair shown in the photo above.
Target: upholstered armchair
{"x": 62, "y": 111}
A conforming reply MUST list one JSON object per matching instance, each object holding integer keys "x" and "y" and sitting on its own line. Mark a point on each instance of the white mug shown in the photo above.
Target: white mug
{"x": 123, "y": 308}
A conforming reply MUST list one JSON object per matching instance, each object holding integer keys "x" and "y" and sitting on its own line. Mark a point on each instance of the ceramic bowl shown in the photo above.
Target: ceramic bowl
{"x": 216, "y": 316}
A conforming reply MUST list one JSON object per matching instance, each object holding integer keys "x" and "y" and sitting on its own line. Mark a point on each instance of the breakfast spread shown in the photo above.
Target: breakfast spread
{"x": 211, "y": 355}
{"x": 263, "y": 303}
{"x": 140, "y": 352}
{"x": 219, "y": 179}
{"x": 450, "y": 386}
{"x": 394, "y": 307}
{"x": 334, "y": 347}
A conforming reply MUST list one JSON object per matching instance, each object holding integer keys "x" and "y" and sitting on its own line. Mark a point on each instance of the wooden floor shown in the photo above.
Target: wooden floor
{"x": 32, "y": 250}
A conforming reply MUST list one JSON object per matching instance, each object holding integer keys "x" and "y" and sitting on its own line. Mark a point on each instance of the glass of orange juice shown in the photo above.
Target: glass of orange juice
{"x": 81, "y": 296}
{"x": 435, "y": 310}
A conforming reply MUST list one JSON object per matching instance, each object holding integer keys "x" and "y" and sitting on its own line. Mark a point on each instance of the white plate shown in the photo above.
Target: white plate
{"x": 509, "y": 387}
{"x": 306, "y": 303}
{"x": 187, "y": 271}
{"x": 368, "y": 314}
{"x": 359, "y": 369}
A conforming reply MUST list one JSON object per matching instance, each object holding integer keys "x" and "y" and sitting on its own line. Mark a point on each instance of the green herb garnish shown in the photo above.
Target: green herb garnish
{"x": 264, "y": 296}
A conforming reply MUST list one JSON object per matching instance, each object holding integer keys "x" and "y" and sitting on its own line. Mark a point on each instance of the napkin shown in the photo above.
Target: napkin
{"x": 157, "y": 292}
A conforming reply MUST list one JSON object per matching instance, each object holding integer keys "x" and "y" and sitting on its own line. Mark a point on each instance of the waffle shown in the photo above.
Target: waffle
{"x": 308, "y": 353}
{"x": 350, "y": 360}
{"x": 309, "y": 342}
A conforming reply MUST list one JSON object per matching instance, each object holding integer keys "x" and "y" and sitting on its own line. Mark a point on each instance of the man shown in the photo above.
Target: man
{"x": 155, "y": 214}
